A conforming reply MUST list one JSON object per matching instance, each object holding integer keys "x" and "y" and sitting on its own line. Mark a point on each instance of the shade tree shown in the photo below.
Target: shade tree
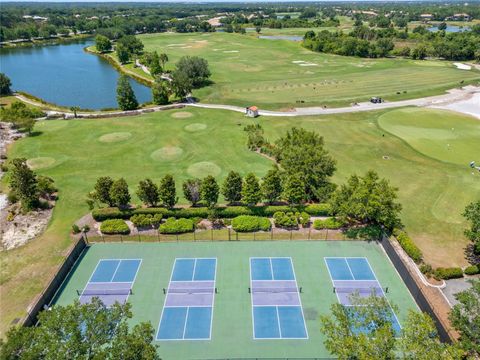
{"x": 209, "y": 191}
{"x": 167, "y": 191}
{"x": 232, "y": 187}
{"x": 251, "y": 193}
{"x": 148, "y": 192}
{"x": 192, "y": 190}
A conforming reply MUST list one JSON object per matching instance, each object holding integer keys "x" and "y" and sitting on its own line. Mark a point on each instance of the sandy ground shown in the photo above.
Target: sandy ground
{"x": 470, "y": 106}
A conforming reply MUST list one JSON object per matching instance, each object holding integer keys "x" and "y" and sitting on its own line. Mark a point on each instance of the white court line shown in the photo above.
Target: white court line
{"x": 213, "y": 300}
{"x": 251, "y": 298}
{"x": 278, "y": 323}
{"x": 185, "y": 324}
{"x": 116, "y": 269}
{"x": 271, "y": 268}
{"x": 349, "y": 268}
{"x": 194, "y": 267}
{"x": 164, "y": 302}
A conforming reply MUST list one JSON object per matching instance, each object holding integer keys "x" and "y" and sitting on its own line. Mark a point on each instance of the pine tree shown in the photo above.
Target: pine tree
{"x": 209, "y": 191}
{"x": 148, "y": 192}
{"x": 125, "y": 96}
{"x": 167, "y": 191}
{"x": 251, "y": 194}
{"x": 119, "y": 193}
{"x": 160, "y": 91}
{"x": 294, "y": 190}
{"x": 23, "y": 183}
{"x": 272, "y": 185}
{"x": 102, "y": 190}
{"x": 232, "y": 187}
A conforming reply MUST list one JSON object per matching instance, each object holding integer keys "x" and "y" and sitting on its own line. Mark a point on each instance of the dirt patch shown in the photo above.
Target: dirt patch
{"x": 182, "y": 115}
{"x": 167, "y": 153}
{"x": 195, "y": 127}
{"x": 40, "y": 162}
{"x": 115, "y": 137}
{"x": 204, "y": 168}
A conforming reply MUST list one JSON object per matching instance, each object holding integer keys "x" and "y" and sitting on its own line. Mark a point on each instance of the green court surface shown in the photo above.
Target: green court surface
{"x": 232, "y": 327}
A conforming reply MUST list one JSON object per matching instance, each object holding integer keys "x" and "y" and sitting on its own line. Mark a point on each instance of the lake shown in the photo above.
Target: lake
{"x": 66, "y": 75}
{"x": 450, "y": 29}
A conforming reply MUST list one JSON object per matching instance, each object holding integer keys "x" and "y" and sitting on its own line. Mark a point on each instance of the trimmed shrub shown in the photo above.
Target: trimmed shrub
{"x": 472, "y": 270}
{"x": 448, "y": 273}
{"x": 146, "y": 220}
{"x": 318, "y": 209}
{"x": 75, "y": 229}
{"x": 248, "y": 223}
{"x": 330, "y": 223}
{"x": 176, "y": 226}
{"x": 303, "y": 218}
{"x": 426, "y": 269}
{"x": 287, "y": 220}
{"x": 111, "y": 213}
{"x": 114, "y": 226}
{"x": 408, "y": 245}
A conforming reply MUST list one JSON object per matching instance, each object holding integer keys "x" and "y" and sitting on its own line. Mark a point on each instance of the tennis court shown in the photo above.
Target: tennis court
{"x": 276, "y": 306}
{"x": 173, "y": 287}
{"x": 354, "y": 276}
{"x": 111, "y": 281}
{"x": 188, "y": 309}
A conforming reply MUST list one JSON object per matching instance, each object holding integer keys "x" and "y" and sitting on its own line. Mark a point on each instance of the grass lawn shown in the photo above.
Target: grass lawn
{"x": 271, "y": 74}
{"x": 232, "y": 325}
{"x": 195, "y": 142}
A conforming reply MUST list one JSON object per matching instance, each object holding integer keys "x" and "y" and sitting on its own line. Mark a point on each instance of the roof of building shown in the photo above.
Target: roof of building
{"x": 253, "y": 108}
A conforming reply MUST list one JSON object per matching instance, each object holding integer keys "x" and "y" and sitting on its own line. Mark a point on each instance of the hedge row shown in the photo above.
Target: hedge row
{"x": 146, "y": 220}
{"x": 176, "y": 226}
{"x": 408, "y": 245}
{"x": 472, "y": 270}
{"x": 330, "y": 223}
{"x": 114, "y": 227}
{"x": 291, "y": 219}
{"x": 448, "y": 273}
{"x": 227, "y": 212}
{"x": 249, "y": 223}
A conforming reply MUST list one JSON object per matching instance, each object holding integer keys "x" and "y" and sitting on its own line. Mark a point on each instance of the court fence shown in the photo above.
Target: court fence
{"x": 225, "y": 234}
{"x": 415, "y": 289}
{"x": 48, "y": 294}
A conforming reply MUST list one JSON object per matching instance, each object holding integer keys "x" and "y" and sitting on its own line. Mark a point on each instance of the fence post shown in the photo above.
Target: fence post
{"x": 176, "y": 235}
{"x": 291, "y": 234}
{"x": 158, "y": 236}
{"x": 309, "y": 231}
{"x": 121, "y": 238}
{"x": 139, "y": 239}
{"x": 211, "y": 234}
{"x": 229, "y": 235}
{"x": 271, "y": 234}
{"x": 194, "y": 236}
{"x": 236, "y": 235}
{"x": 326, "y": 235}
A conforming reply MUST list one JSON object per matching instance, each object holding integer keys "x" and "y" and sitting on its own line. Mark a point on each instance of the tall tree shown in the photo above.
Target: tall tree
{"x": 23, "y": 183}
{"x": 148, "y": 192}
{"x": 163, "y": 59}
{"x": 195, "y": 68}
{"x": 302, "y": 153}
{"x": 103, "y": 43}
{"x": 102, "y": 190}
{"x": 125, "y": 96}
{"x": 368, "y": 200}
{"x": 251, "y": 193}
{"x": 209, "y": 191}
{"x": 465, "y": 318}
{"x": 232, "y": 187}
{"x": 294, "y": 189}
{"x": 167, "y": 191}
{"x": 181, "y": 84}
{"x": 5, "y": 84}
{"x": 191, "y": 190}
{"x": 119, "y": 193}
{"x": 272, "y": 185}
{"x": 160, "y": 91}
{"x": 122, "y": 53}
{"x": 81, "y": 331}
{"x": 472, "y": 214}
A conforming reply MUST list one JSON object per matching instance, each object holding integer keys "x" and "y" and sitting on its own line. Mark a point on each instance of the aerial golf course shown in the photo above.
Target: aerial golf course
{"x": 424, "y": 152}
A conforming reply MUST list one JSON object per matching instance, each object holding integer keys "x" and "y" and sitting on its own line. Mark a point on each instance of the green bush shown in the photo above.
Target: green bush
{"x": 318, "y": 209}
{"x": 146, "y": 220}
{"x": 287, "y": 220}
{"x": 111, "y": 213}
{"x": 303, "y": 218}
{"x": 426, "y": 269}
{"x": 75, "y": 229}
{"x": 369, "y": 232}
{"x": 472, "y": 270}
{"x": 408, "y": 245}
{"x": 330, "y": 223}
{"x": 176, "y": 226}
{"x": 248, "y": 223}
{"x": 114, "y": 226}
{"x": 448, "y": 273}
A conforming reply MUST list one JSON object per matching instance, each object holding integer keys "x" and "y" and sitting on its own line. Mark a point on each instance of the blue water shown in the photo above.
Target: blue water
{"x": 450, "y": 29}
{"x": 66, "y": 75}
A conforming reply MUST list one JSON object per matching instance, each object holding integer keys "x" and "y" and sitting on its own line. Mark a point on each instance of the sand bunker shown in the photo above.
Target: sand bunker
{"x": 195, "y": 127}
{"x": 462, "y": 66}
{"x": 182, "y": 115}
{"x": 230, "y": 51}
{"x": 115, "y": 137}
{"x": 40, "y": 162}
{"x": 203, "y": 168}
{"x": 167, "y": 153}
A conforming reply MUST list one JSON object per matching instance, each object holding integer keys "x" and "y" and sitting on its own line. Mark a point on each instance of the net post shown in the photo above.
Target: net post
{"x": 216, "y": 291}
{"x": 386, "y": 290}
{"x": 300, "y": 289}
{"x": 164, "y": 291}
{"x": 249, "y": 290}
{"x": 334, "y": 290}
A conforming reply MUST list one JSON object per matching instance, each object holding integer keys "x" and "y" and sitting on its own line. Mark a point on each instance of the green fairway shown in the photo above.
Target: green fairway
{"x": 280, "y": 74}
{"x": 232, "y": 334}
{"x": 438, "y": 134}
{"x": 196, "y": 142}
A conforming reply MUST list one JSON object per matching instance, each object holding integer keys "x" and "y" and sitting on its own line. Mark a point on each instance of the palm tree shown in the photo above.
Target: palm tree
{"x": 75, "y": 109}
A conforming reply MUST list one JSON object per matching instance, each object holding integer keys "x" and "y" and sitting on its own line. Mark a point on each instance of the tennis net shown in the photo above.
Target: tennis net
{"x": 93, "y": 292}
{"x": 190, "y": 290}
{"x": 360, "y": 290}
{"x": 255, "y": 290}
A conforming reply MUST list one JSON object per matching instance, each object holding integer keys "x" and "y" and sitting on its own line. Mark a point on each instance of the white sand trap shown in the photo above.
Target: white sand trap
{"x": 470, "y": 106}
{"x": 462, "y": 66}
{"x": 171, "y": 45}
{"x": 298, "y": 61}
{"x": 230, "y": 51}
{"x": 308, "y": 64}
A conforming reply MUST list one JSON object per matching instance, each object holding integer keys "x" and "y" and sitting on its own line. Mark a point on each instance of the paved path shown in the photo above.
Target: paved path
{"x": 454, "y": 96}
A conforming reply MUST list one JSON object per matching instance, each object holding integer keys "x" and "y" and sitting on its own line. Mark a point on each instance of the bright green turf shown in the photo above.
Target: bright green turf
{"x": 232, "y": 334}
{"x": 439, "y": 134}
{"x": 433, "y": 193}
{"x": 246, "y": 70}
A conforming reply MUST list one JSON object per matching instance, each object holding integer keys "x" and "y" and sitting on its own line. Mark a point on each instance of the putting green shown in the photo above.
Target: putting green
{"x": 182, "y": 114}
{"x": 195, "y": 127}
{"x": 204, "y": 168}
{"x": 167, "y": 153}
{"x": 40, "y": 162}
{"x": 115, "y": 137}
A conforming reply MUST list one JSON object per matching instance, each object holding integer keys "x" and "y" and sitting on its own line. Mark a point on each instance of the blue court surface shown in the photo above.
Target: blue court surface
{"x": 188, "y": 309}
{"x": 276, "y": 306}
{"x": 111, "y": 281}
{"x": 354, "y": 275}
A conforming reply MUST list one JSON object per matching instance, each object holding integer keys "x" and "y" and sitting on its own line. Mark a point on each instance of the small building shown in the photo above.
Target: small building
{"x": 426, "y": 17}
{"x": 459, "y": 17}
{"x": 251, "y": 111}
